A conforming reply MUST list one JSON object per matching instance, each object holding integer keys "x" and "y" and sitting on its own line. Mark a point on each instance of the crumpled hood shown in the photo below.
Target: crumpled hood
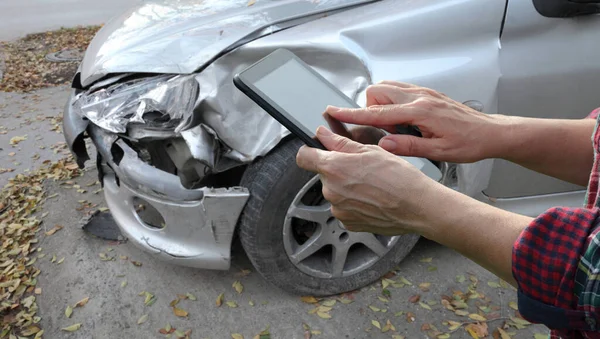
{"x": 181, "y": 36}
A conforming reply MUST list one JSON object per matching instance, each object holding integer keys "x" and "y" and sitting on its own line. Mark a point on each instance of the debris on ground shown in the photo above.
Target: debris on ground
{"x": 102, "y": 225}
{"x": 20, "y": 200}
{"x": 26, "y": 64}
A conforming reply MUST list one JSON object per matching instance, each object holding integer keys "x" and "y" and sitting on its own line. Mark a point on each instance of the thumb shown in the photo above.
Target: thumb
{"x": 408, "y": 145}
{"x": 335, "y": 142}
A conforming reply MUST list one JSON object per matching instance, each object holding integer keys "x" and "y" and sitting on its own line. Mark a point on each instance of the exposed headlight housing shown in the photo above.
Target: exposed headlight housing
{"x": 163, "y": 101}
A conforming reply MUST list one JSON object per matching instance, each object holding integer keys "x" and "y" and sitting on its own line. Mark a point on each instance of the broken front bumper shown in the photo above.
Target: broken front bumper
{"x": 198, "y": 223}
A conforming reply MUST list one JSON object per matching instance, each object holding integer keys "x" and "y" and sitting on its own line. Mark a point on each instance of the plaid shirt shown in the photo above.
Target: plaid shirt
{"x": 556, "y": 263}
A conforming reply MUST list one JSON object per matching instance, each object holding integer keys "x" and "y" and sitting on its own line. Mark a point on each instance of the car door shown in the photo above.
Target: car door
{"x": 550, "y": 69}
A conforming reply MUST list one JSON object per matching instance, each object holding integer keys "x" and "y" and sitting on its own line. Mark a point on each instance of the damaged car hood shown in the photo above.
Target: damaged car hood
{"x": 182, "y": 36}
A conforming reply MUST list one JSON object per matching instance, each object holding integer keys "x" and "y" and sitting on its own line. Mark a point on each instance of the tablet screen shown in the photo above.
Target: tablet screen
{"x": 301, "y": 94}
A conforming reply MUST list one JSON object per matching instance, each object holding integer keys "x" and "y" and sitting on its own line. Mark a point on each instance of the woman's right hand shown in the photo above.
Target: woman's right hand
{"x": 451, "y": 131}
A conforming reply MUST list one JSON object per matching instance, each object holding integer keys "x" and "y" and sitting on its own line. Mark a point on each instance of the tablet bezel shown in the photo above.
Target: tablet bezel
{"x": 245, "y": 80}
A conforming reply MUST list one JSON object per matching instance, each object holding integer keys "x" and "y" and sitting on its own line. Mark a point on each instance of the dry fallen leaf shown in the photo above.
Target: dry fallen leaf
{"x": 309, "y": 300}
{"x": 31, "y": 330}
{"x": 460, "y": 278}
{"x": 513, "y": 305}
{"x": 410, "y": 317}
{"x": 374, "y": 309}
{"x": 424, "y": 305}
{"x": 232, "y": 304}
{"x": 415, "y": 298}
{"x": 54, "y": 229}
{"x": 191, "y": 296}
{"x": 69, "y": 311}
{"x": 236, "y": 336}
{"x": 17, "y": 139}
{"x": 181, "y": 313}
{"x": 376, "y": 324}
{"x": 82, "y": 302}
{"x": 426, "y": 260}
{"x": 251, "y": 2}
{"x": 142, "y": 319}
{"x": 479, "y": 329}
{"x": 443, "y": 336}
{"x": 324, "y": 315}
{"x": 424, "y": 286}
{"x": 462, "y": 313}
{"x": 238, "y": 286}
{"x": 493, "y": 284}
{"x": 72, "y": 328}
{"x": 329, "y": 303}
{"x": 477, "y": 317}
{"x": 220, "y": 298}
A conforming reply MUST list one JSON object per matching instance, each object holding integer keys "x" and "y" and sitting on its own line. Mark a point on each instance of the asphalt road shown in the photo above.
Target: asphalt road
{"x": 20, "y": 17}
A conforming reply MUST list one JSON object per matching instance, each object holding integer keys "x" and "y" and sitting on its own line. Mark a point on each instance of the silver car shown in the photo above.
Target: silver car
{"x": 155, "y": 95}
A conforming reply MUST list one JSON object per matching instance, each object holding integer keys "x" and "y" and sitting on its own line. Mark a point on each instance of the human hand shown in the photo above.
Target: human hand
{"x": 451, "y": 131}
{"x": 371, "y": 190}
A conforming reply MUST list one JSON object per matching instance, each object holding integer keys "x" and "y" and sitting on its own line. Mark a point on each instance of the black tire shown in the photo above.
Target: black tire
{"x": 274, "y": 181}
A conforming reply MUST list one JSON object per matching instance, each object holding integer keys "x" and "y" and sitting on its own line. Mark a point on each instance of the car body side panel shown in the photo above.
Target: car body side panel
{"x": 410, "y": 41}
{"x": 549, "y": 69}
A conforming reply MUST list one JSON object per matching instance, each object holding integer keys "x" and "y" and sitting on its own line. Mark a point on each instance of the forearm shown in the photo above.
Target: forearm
{"x": 558, "y": 148}
{"x": 480, "y": 232}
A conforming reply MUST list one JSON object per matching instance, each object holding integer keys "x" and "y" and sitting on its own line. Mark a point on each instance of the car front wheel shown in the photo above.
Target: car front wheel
{"x": 291, "y": 237}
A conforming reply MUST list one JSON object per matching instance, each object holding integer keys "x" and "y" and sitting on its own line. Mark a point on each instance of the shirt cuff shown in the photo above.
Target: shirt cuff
{"x": 545, "y": 259}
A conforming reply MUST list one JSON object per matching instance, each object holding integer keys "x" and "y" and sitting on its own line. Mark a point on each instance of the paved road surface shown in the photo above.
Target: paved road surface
{"x": 20, "y": 17}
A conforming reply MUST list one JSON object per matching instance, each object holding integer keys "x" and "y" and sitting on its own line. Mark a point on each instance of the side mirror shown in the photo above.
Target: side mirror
{"x": 566, "y": 8}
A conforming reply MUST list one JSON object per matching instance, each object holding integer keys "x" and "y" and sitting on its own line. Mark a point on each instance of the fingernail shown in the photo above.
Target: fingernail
{"x": 387, "y": 144}
{"x": 323, "y": 131}
{"x": 332, "y": 109}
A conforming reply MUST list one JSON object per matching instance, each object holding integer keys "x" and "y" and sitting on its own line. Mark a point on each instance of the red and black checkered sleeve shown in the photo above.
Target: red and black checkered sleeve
{"x": 545, "y": 259}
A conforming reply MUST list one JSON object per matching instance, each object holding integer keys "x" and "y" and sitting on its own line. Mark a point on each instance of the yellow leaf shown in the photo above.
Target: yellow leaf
{"x": 251, "y": 303}
{"x": 398, "y": 336}
{"x": 382, "y": 299}
{"x": 424, "y": 286}
{"x": 477, "y": 317}
{"x": 238, "y": 286}
{"x": 329, "y": 303}
{"x": 424, "y": 305}
{"x": 54, "y": 229}
{"x": 461, "y": 313}
{"x": 179, "y": 312}
{"x": 123, "y": 283}
{"x": 232, "y": 304}
{"x": 315, "y": 332}
{"x": 374, "y": 309}
{"x": 324, "y": 315}
{"x": 142, "y": 319}
{"x": 236, "y": 336}
{"x": 60, "y": 261}
{"x": 17, "y": 139}
{"x": 405, "y": 282}
{"x": 309, "y": 300}
{"x": 31, "y": 330}
{"x": 386, "y": 282}
{"x": 520, "y": 321}
{"x": 323, "y": 309}
{"x": 251, "y": 2}
{"x": 513, "y": 305}
{"x": 443, "y": 336}
{"x": 426, "y": 260}
{"x": 220, "y": 298}
{"x": 82, "y": 302}
{"x": 39, "y": 335}
{"x": 72, "y": 328}
{"x": 173, "y": 303}
{"x": 472, "y": 333}
{"x": 191, "y": 296}
{"x": 493, "y": 284}
{"x": 69, "y": 311}
{"x": 504, "y": 335}
{"x": 346, "y": 301}
{"x": 376, "y": 324}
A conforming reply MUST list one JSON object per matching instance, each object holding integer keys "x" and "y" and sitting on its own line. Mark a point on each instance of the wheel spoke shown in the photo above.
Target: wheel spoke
{"x": 307, "y": 249}
{"x": 318, "y": 214}
{"x": 340, "y": 253}
{"x": 371, "y": 241}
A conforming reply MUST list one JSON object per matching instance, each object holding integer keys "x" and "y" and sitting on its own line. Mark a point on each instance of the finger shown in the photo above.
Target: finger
{"x": 382, "y": 94}
{"x": 411, "y": 146}
{"x": 386, "y": 115}
{"x": 310, "y": 158}
{"x": 334, "y": 142}
{"x": 336, "y": 126}
{"x": 397, "y": 84}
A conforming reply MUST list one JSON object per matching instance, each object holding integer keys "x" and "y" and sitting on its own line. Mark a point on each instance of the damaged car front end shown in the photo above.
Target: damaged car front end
{"x": 155, "y": 96}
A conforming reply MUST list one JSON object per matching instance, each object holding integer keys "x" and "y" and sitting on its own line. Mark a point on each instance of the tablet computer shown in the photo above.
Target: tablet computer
{"x": 294, "y": 94}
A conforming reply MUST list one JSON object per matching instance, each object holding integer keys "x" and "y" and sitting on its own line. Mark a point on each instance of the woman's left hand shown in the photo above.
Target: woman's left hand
{"x": 370, "y": 189}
